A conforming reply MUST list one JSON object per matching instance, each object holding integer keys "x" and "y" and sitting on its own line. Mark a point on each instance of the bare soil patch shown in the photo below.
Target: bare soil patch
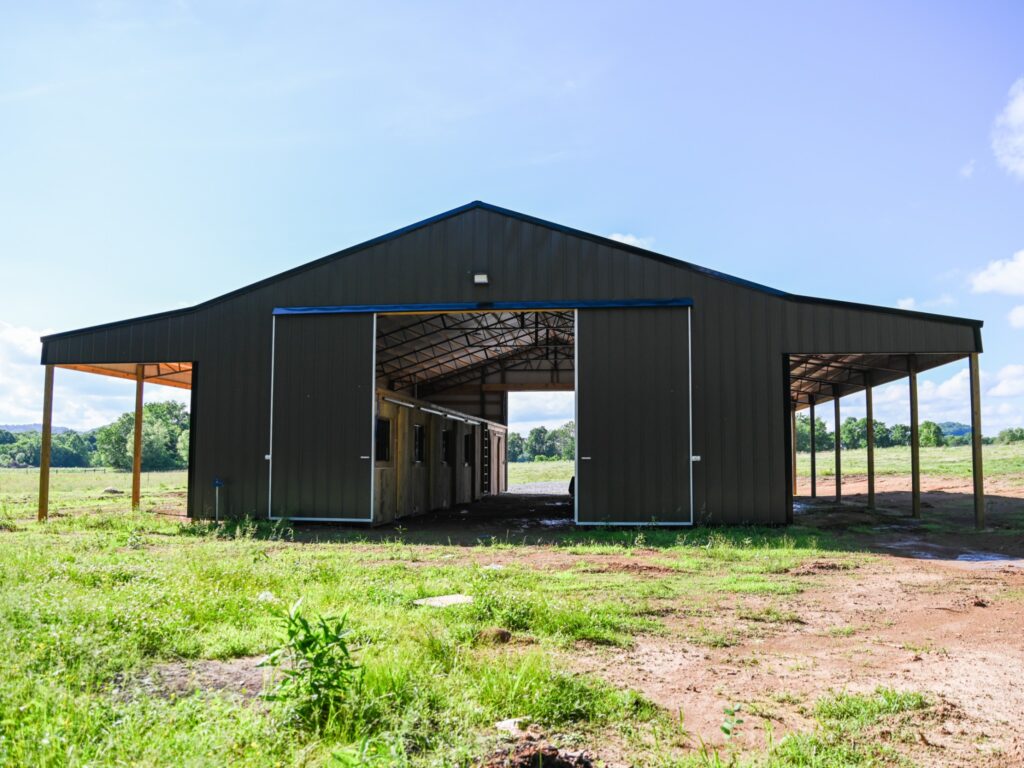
{"x": 242, "y": 677}
{"x": 914, "y": 625}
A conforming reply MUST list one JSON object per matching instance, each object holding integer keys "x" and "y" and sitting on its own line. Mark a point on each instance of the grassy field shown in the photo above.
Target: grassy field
{"x": 999, "y": 461}
{"x": 96, "y": 602}
{"x": 77, "y": 488}
{"x": 520, "y": 472}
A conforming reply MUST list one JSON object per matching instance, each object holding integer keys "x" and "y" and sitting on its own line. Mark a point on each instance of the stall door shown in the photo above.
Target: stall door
{"x": 633, "y": 416}
{"x": 323, "y": 417}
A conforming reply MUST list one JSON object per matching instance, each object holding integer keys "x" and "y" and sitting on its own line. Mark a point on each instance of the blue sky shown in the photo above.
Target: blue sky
{"x": 153, "y": 155}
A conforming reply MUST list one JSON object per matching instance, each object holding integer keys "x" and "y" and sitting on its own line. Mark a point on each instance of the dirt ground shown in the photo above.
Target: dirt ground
{"x": 936, "y": 608}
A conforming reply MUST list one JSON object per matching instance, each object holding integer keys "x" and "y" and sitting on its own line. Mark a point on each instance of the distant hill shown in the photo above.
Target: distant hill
{"x": 954, "y": 428}
{"x": 16, "y": 428}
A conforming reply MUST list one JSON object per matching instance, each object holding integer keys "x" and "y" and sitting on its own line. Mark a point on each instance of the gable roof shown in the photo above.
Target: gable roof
{"x": 480, "y": 205}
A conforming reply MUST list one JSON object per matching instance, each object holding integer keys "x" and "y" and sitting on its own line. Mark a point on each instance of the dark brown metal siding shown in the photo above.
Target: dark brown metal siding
{"x": 739, "y": 338}
{"x": 323, "y": 400}
{"x": 634, "y": 417}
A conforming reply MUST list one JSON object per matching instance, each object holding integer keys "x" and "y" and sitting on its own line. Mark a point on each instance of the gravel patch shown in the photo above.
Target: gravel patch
{"x": 546, "y": 488}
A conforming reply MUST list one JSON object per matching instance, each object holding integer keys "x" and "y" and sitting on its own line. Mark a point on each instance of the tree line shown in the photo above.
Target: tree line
{"x": 853, "y": 433}
{"x": 165, "y": 430}
{"x": 543, "y": 444}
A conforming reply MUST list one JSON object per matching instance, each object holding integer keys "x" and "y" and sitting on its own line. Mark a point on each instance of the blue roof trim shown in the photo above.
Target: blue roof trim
{"x": 481, "y": 306}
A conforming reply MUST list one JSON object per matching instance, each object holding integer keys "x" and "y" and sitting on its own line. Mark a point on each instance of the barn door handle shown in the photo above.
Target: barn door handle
{"x": 584, "y": 458}
{"x": 364, "y": 457}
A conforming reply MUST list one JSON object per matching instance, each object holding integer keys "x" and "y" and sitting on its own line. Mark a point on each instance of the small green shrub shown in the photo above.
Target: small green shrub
{"x": 317, "y": 671}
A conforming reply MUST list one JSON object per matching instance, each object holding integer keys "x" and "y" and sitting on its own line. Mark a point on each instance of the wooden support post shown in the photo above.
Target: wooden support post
{"x": 869, "y": 401}
{"x": 44, "y": 450}
{"x": 814, "y": 448}
{"x": 137, "y": 453}
{"x": 792, "y": 440}
{"x": 915, "y": 441}
{"x": 839, "y": 448}
{"x": 976, "y": 466}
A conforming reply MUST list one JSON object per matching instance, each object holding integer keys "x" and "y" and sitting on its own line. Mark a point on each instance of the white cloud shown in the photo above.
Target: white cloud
{"x": 527, "y": 410}
{"x": 967, "y": 169}
{"x": 1008, "y": 132}
{"x": 945, "y": 300}
{"x": 80, "y": 400}
{"x": 635, "y": 240}
{"x": 1001, "y": 276}
{"x": 1016, "y": 316}
{"x": 1009, "y": 382}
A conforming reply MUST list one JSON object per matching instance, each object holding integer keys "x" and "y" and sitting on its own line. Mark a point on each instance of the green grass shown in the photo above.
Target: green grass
{"x": 81, "y": 488}
{"x": 94, "y": 600}
{"x": 539, "y": 471}
{"x": 999, "y": 461}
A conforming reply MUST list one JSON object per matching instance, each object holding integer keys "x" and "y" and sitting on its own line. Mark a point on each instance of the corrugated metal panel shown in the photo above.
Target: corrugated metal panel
{"x": 633, "y": 406}
{"x": 322, "y": 456}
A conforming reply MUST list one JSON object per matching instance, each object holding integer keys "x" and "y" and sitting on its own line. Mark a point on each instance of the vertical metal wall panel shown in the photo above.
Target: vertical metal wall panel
{"x": 323, "y": 400}
{"x": 633, "y": 405}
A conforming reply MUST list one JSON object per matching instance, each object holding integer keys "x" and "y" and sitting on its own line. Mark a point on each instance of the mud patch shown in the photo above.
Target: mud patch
{"x": 537, "y": 754}
{"x": 241, "y": 677}
{"x": 819, "y": 566}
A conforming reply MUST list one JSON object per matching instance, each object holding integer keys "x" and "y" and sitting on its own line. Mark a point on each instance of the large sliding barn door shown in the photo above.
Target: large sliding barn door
{"x": 323, "y": 403}
{"x": 633, "y": 416}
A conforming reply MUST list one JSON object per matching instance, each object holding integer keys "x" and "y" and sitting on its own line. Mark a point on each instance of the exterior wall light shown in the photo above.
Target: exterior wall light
{"x": 480, "y": 278}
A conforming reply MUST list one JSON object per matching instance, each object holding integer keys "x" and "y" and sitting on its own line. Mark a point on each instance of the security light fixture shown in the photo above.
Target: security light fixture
{"x": 480, "y": 278}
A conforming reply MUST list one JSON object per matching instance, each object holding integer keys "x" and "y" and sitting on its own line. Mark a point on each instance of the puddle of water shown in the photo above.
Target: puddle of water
{"x": 983, "y": 557}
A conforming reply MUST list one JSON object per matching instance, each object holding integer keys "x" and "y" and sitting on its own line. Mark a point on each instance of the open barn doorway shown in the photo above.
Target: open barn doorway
{"x": 447, "y": 383}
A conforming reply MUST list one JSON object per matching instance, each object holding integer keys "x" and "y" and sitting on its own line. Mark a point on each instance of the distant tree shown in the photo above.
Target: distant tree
{"x": 952, "y": 440}
{"x": 882, "y": 437}
{"x": 931, "y": 434}
{"x": 182, "y": 447}
{"x": 23, "y": 452}
{"x": 563, "y": 441}
{"x": 171, "y": 412}
{"x": 854, "y": 433}
{"x": 823, "y": 439}
{"x": 162, "y": 426}
{"x": 114, "y": 441}
{"x": 899, "y": 434}
{"x": 516, "y": 447}
{"x": 7, "y": 438}
{"x": 70, "y": 449}
{"x": 1011, "y": 435}
{"x": 538, "y": 443}
{"x": 159, "y": 446}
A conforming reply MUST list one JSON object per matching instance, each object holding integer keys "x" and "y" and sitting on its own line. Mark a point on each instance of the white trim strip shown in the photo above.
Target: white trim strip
{"x": 576, "y": 413}
{"x": 399, "y": 402}
{"x": 270, "y": 445}
{"x": 373, "y": 417}
{"x": 689, "y": 373}
{"x": 324, "y": 519}
{"x": 634, "y": 524}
